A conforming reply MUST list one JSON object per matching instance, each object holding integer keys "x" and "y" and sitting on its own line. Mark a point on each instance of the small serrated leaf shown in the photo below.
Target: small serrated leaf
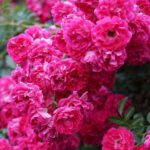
{"x": 137, "y": 121}
{"x": 116, "y": 120}
{"x": 122, "y": 105}
{"x": 137, "y": 138}
{"x": 148, "y": 117}
{"x": 148, "y": 128}
{"x": 129, "y": 113}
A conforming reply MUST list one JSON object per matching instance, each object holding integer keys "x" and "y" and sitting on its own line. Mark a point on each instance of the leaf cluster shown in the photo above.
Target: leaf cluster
{"x": 135, "y": 122}
{"x": 14, "y": 19}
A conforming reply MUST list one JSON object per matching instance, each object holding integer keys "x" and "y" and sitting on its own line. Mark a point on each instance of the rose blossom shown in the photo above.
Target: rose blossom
{"x": 118, "y": 139}
{"x": 144, "y": 6}
{"x": 71, "y": 142}
{"x": 39, "y": 75}
{"x": 26, "y": 96}
{"x": 19, "y": 129}
{"x": 69, "y": 74}
{"x": 61, "y": 9}
{"x": 141, "y": 147}
{"x": 36, "y": 32}
{"x": 112, "y": 60}
{"x": 4, "y": 145}
{"x": 120, "y": 8}
{"x": 147, "y": 141}
{"x": 6, "y": 85}
{"x": 77, "y": 37}
{"x": 67, "y": 120}
{"x": 20, "y": 74}
{"x": 92, "y": 3}
{"x": 6, "y": 114}
{"x": 138, "y": 49}
{"x": 39, "y": 119}
{"x": 42, "y": 50}
{"x": 59, "y": 42}
{"x": 87, "y": 8}
{"x": 111, "y": 33}
{"x": 75, "y": 101}
{"x": 41, "y": 8}
{"x": 18, "y": 47}
{"x": 1, "y": 1}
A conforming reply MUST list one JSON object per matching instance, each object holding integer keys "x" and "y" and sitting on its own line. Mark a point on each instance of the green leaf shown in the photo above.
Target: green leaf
{"x": 139, "y": 115}
{"x": 129, "y": 113}
{"x": 137, "y": 138}
{"x": 116, "y": 120}
{"x": 137, "y": 121}
{"x": 3, "y": 133}
{"x": 148, "y": 128}
{"x": 122, "y": 105}
{"x": 148, "y": 117}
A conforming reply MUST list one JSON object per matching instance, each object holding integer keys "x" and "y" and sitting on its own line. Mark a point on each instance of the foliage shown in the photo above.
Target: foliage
{"x": 136, "y": 122}
{"x": 14, "y": 19}
{"x": 135, "y": 83}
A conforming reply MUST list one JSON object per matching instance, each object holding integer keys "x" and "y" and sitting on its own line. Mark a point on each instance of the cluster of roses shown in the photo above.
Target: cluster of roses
{"x": 60, "y": 93}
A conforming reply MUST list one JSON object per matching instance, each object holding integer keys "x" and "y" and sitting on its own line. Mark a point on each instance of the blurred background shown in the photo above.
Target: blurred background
{"x": 14, "y": 19}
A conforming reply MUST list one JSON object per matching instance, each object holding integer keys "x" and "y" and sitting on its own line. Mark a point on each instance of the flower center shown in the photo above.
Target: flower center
{"x": 111, "y": 33}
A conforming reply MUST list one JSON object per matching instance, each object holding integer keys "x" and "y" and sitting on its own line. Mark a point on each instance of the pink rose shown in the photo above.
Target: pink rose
{"x": 112, "y": 60}
{"x": 59, "y": 42}
{"x": 39, "y": 120}
{"x": 138, "y": 49}
{"x": 26, "y": 96}
{"x": 147, "y": 141}
{"x": 69, "y": 143}
{"x": 61, "y": 9}
{"x": 141, "y": 147}
{"x": 41, "y": 8}
{"x": 18, "y": 47}
{"x": 20, "y": 74}
{"x": 42, "y": 50}
{"x": 39, "y": 75}
{"x": 19, "y": 129}
{"x": 143, "y": 6}
{"x": 69, "y": 74}
{"x": 36, "y": 32}
{"x": 67, "y": 120}
{"x": 111, "y": 34}
{"x": 118, "y": 139}
{"x": 4, "y": 145}
{"x": 75, "y": 101}
{"x": 1, "y": 1}
{"x": 6, "y": 85}
{"x": 87, "y": 8}
{"x": 77, "y": 37}
{"x": 6, "y": 114}
{"x": 120, "y": 8}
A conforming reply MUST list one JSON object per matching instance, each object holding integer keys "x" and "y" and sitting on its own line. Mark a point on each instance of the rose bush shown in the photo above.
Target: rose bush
{"x": 60, "y": 96}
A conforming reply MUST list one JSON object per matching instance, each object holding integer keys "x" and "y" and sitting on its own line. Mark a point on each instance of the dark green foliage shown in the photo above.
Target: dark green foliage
{"x": 134, "y": 122}
{"x": 134, "y": 82}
